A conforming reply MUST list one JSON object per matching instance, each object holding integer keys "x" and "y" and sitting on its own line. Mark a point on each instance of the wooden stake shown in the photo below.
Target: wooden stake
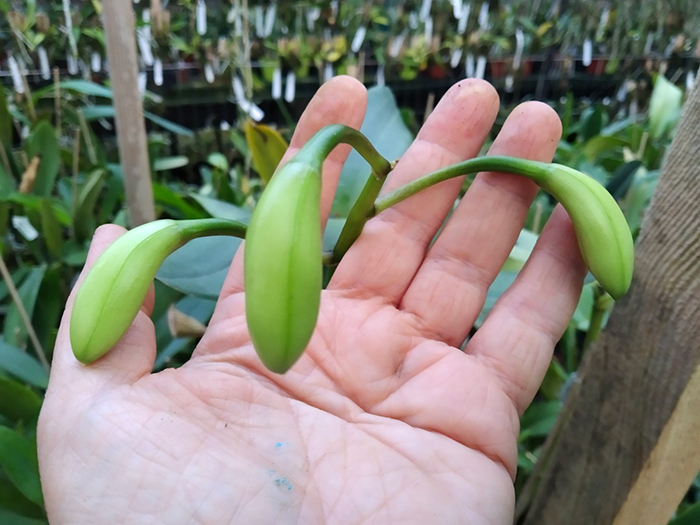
{"x": 118, "y": 16}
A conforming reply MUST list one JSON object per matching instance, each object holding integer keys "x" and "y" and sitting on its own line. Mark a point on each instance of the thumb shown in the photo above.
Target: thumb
{"x": 130, "y": 359}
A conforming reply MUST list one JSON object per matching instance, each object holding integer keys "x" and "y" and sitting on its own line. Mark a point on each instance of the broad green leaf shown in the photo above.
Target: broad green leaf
{"x": 664, "y": 107}
{"x": 218, "y": 161}
{"x": 170, "y": 163}
{"x": 53, "y": 236}
{"x": 553, "y": 381}
{"x": 222, "y": 210}
{"x": 83, "y": 219}
{"x": 539, "y": 419}
{"x": 85, "y": 87}
{"x": 690, "y": 516}
{"x": 175, "y": 204}
{"x": 582, "y": 314}
{"x": 22, "y": 365}
{"x": 15, "y": 519}
{"x": 168, "y": 125}
{"x": 502, "y": 282}
{"x": 7, "y": 183}
{"x": 47, "y": 313}
{"x": 266, "y": 146}
{"x": 98, "y": 112}
{"x": 19, "y": 461}
{"x": 621, "y": 180}
{"x": 15, "y": 332}
{"x": 521, "y": 251}
{"x": 33, "y": 203}
{"x": 592, "y": 122}
{"x": 385, "y": 129}
{"x": 200, "y": 266}
{"x": 596, "y": 146}
{"x": 43, "y": 142}
{"x": 18, "y": 402}
{"x": 5, "y": 120}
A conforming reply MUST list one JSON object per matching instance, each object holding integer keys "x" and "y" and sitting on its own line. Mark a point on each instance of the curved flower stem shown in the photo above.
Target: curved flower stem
{"x": 195, "y": 228}
{"x": 531, "y": 169}
{"x": 323, "y": 142}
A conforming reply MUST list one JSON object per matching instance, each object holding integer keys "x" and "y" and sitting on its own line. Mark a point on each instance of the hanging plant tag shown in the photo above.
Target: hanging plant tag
{"x": 480, "y": 67}
{"x": 277, "y": 83}
{"x": 425, "y": 10}
{"x": 413, "y": 20}
{"x": 463, "y": 19}
{"x": 290, "y": 87}
{"x": 270, "y": 19}
{"x": 259, "y": 21}
{"x": 158, "y": 72}
{"x": 201, "y": 17}
{"x": 484, "y": 16}
{"x": 328, "y": 72}
{"x": 689, "y": 80}
{"x": 209, "y": 72}
{"x": 587, "y": 55}
{"x": 380, "y": 76}
{"x": 397, "y": 44}
{"x": 519, "y": 46}
{"x": 509, "y": 83}
{"x": 44, "y": 63}
{"x": 24, "y": 226}
{"x": 142, "y": 79}
{"x": 17, "y": 81}
{"x": 359, "y": 39}
{"x": 96, "y": 62}
{"x": 457, "y": 7}
{"x": 428, "y": 29}
{"x": 72, "y": 64}
{"x": 469, "y": 66}
{"x": 456, "y": 57}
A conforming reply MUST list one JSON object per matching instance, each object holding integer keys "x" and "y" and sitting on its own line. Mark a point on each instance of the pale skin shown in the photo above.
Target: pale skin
{"x": 384, "y": 419}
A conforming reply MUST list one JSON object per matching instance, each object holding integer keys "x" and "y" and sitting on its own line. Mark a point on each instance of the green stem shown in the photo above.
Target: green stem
{"x": 603, "y": 303}
{"x": 195, "y": 228}
{"x": 527, "y": 168}
{"x": 325, "y": 141}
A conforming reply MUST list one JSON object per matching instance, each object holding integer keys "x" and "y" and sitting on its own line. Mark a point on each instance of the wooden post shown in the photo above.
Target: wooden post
{"x": 627, "y": 445}
{"x": 119, "y": 23}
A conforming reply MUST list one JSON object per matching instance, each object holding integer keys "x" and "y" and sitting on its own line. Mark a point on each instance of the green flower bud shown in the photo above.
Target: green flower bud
{"x": 283, "y": 264}
{"x": 601, "y": 229}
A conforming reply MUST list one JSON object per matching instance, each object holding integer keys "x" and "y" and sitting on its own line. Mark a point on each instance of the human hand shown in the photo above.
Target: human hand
{"x": 384, "y": 419}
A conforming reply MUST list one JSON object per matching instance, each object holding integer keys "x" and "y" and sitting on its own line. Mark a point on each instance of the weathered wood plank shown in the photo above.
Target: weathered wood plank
{"x": 628, "y": 443}
{"x": 118, "y": 16}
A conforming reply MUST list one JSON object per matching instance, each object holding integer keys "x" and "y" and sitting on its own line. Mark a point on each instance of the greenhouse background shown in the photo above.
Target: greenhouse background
{"x": 221, "y": 85}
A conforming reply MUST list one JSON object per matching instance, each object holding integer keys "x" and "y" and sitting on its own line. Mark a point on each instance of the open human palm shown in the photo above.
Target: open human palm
{"x": 384, "y": 419}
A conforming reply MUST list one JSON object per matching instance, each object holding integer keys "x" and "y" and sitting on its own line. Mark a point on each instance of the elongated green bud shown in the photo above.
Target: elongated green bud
{"x": 603, "y": 236}
{"x": 114, "y": 289}
{"x": 283, "y": 264}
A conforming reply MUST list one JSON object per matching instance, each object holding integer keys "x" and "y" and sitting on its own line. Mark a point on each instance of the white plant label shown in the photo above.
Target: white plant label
{"x": 509, "y": 83}
{"x": 425, "y": 10}
{"x": 277, "y": 83}
{"x": 270, "y": 19}
{"x": 290, "y": 87}
{"x": 359, "y": 39}
{"x": 201, "y": 17}
{"x": 143, "y": 38}
{"x": 328, "y": 72}
{"x": 484, "y": 16}
{"x": 519, "y": 46}
{"x": 622, "y": 92}
{"x": 457, "y": 7}
{"x": 456, "y": 57}
{"x": 44, "y": 63}
{"x": 380, "y": 76}
{"x": 469, "y": 66}
{"x": 480, "y": 67}
{"x": 649, "y": 42}
{"x": 158, "y": 72}
{"x": 238, "y": 91}
{"x": 587, "y": 52}
{"x": 463, "y": 19}
{"x": 17, "y": 81}
{"x": 259, "y": 21}
{"x": 209, "y": 72}
{"x": 24, "y": 226}
{"x": 397, "y": 44}
{"x": 689, "y": 80}
{"x": 428, "y": 29}
{"x": 72, "y": 64}
{"x": 96, "y": 62}
{"x": 413, "y": 20}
